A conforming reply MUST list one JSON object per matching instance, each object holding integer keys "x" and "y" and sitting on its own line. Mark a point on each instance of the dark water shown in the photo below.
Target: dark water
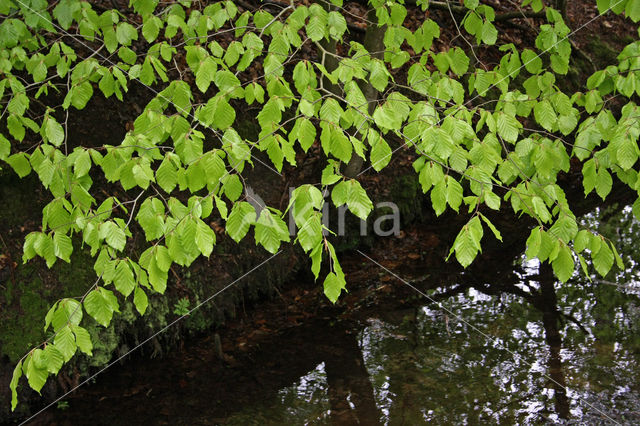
{"x": 528, "y": 352}
{"x": 424, "y": 366}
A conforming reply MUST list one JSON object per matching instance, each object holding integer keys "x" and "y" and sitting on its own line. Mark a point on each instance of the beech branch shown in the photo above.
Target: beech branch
{"x": 461, "y": 10}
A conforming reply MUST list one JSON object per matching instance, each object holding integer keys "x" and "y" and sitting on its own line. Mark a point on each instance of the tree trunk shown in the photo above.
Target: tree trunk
{"x": 373, "y": 42}
{"x": 561, "y": 5}
{"x": 350, "y": 391}
{"x": 550, "y": 320}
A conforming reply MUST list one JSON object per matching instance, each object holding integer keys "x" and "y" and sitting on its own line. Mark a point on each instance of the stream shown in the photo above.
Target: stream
{"x": 530, "y": 351}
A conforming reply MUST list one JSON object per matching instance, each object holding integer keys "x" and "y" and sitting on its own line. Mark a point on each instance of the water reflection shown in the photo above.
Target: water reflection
{"x": 554, "y": 363}
{"x": 555, "y": 353}
{"x": 538, "y": 366}
{"x": 306, "y": 401}
{"x": 513, "y": 346}
{"x": 337, "y": 391}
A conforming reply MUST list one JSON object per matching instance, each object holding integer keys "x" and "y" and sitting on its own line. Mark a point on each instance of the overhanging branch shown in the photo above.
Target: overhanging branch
{"x": 461, "y": 10}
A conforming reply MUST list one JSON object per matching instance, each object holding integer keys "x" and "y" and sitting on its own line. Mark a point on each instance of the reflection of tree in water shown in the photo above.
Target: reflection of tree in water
{"x": 567, "y": 352}
{"x": 337, "y": 391}
{"x": 611, "y": 350}
{"x": 350, "y": 391}
{"x": 431, "y": 367}
{"x": 423, "y": 364}
{"x": 578, "y": 351}
{"x": 547, "y": 303}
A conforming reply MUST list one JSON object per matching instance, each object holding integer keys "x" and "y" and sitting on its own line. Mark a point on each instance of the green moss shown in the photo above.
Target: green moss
{"x": 405, "y": 193}
{"x": 105, "y": 342}
{"x": 597, "y": 54}
{"x": 23, "y": 320}
{"x": 78, "y": 275}
{"x": 198, "y": 321}
{"x": 601, "y": 53}
{"x": 203, "y": 318}
{"x": 30, "y": 294}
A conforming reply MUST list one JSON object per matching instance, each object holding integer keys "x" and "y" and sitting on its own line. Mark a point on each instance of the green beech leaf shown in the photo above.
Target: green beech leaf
{"x": 205, "y": 238}
{"x": 380, "y": 151}
{"x": 65, "y": 342}
{"x": 140, "y": 300}
{"x": 439, "y": 197}
{"x": 124, "y": 280}
{"x": 5, "y": 147}
{"x": 271, "y": 230}
{"x": 167, "y": 175}
{"x": 492, "y": 227}
{"x": 627, "y": 153}
{"x": 226, "y": 81}
{"x": 68, "y": 312}
{"x": 603, "y": 183}
{"x": 100, "y": 304}
{"x": 354, "y": 196}
{"x": 20, "y": 164}
{"x": 453, "y": 193}
{"x": 55, "y": 359}
{"x": 62, "y": 246}
{"x": 54, "y": 131}
{"x": 157, "y": 275}
{"x": 151, "y": 28}
{"x": 242, "y": 216}
{"x": 545, "y": 115}
{"x": 508, "y": 127}
{"x": 565, "y": 228}
{"x": 113, "y": 234}
{"x": 603, "y": 259}
{"x": 379, "y": 77}
{"x": 563, "y": 265}
{"x": 489, "y": 33}
{"x": 337, "y": 25}
{"x": 333, "y": 286}
{"x": 17, "y": 373}
{"x": 316, "y": 28}
{"x": 83, "y": 339}
{"x": 531, "y": 61}
{"x": 632, "y": 10}
{"x": 467, "y": 244}
{"x": 35, "y": 371}
{"x": 534, "y": 243}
